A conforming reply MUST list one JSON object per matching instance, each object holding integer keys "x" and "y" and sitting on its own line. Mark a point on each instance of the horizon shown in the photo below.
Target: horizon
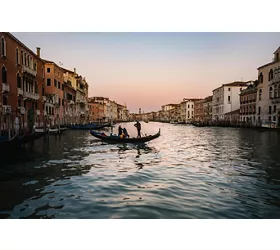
{"x": 149, "y": 70}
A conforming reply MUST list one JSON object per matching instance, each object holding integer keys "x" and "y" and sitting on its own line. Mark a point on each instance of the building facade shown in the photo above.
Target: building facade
{"x": 199, "y": 110}
{"x": 207, "y": 109}
{"x": 268, "y": 92}
{"x": 248, "y": 101}
{"x": 22, "y": 77}
{"x": 226, "y": 99}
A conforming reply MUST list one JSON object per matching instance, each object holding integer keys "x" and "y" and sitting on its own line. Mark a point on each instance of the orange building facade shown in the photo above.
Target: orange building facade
{"x": 22, "y": 78}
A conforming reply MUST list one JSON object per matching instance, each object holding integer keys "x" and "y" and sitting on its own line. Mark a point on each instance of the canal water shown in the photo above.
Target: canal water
{"x": 188, "y": 172}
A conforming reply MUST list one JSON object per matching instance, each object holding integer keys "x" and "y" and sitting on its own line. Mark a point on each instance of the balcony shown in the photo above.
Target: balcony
{"x": 21, "y": 110}
{"x": 20, "y": 91}
{"x": 45, "y": 113}
{"x": 7, "y": 109}
{"x": 33, "y": 96}
{"x": 38, "y": 112}
{"x": 275, "y": 100}
{"x": 44, "y": 98}
{"x": 5, "y": 87}
{"x": 28, "y": 70}
{"x": 71, "y": 102}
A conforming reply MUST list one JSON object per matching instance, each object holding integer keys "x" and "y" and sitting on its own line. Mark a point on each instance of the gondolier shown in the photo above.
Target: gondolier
{"x": 138, "y": 126}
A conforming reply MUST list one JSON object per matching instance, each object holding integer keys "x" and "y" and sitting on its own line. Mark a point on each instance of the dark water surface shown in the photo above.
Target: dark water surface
{"x": 188, "y": 172}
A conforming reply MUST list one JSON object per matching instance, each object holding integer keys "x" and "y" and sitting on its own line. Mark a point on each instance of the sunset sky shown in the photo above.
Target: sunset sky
{"x": 147, "y": 70}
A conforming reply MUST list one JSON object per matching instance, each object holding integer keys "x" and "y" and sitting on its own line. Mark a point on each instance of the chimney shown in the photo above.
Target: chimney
{"x": 38, "y": 52}
{"x": 75, "y": 70}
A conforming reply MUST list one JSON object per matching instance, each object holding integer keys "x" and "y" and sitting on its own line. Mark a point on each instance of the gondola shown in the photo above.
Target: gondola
{"x": 117, "y": 139}
{"x": 89, "y": 126}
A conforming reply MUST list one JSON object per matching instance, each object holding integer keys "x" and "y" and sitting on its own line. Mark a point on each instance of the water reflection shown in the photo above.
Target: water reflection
{"x": 188, "y": 172}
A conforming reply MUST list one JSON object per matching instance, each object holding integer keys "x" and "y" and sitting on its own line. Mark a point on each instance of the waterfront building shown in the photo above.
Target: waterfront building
{"x": 187, "y": 110}
{"x": 233, "y": 117}
{"x": 69, "y": 97}
{"x": 198, "y": 110}
{"x": 82, "y": 110}
{"x": 268, "y": 91}
{"x": 207, "y": 108}
{"x": 53, "y": 88}
{"x": 226, "y": 99}
{"x": 22, "y": 78}
{"x": 248, "y": 101}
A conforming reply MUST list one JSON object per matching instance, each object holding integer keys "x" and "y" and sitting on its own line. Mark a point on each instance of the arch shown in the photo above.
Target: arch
{"x": 270, "y": 92}
{"x": 3, "y": 46}
{"x": 21, "y": 57}
{"x": 260, "y": 94}
{"x": 4, "y": 74}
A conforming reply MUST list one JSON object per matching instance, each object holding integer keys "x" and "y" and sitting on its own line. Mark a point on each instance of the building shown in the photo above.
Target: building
{"x": 187, "y": 110}
{"x": 82, "y": 110}
{"x": 268, "y": 91}
{"x": 248, "y": 101}
{"x": 226, "y": 99}
{"x": 53, "y": 88}
{"x": 207, "y": 109}
{"x": 199, "y": 110}
{"x": 22, "y": 78}
{"x": 233, "y": 117}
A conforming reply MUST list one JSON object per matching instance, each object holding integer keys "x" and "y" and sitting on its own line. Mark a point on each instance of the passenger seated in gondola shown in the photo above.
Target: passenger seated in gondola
{"x": 126, "y": 135}
{"x": 120, "y": 130}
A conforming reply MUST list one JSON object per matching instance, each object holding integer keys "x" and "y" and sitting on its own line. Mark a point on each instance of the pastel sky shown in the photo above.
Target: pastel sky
{"x": 147, "y": 70}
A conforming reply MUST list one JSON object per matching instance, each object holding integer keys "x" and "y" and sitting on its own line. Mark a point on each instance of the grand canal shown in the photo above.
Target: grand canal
{"x": 188, "y": 172}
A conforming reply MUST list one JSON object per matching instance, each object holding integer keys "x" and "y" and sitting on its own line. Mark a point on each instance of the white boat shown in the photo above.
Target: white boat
{"x": 53, "y": 130}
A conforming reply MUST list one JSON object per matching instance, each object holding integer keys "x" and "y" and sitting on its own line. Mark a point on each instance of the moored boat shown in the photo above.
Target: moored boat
{"x": 117, "y": 139}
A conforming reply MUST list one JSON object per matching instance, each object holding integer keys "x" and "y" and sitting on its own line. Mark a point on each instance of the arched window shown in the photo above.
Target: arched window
{"x": 279, "y": 90}
{"x": 4, "y": 75}
{"x": 260, "y": 94}
{"x": 18, "y": 81}
{"x": 21, "y": 57}
{"x": 5, "y": 100}
{"x": 275, "y": 92}
{"x": 35, "y": 66}
{"x": 261, "y": 78}
{"x": 3, "y": 47}
{"x": 25, "y": 62}
{"x": 270, "y": 75}
{"x": 17, "y": 56}
{"x": 270, "y": 92}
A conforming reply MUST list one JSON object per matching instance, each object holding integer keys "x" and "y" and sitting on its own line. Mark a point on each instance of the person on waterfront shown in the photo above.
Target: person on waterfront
{"x": 120, "y": 130}
{"x": 125, "y": 133}
{"x": 138, "y": 126}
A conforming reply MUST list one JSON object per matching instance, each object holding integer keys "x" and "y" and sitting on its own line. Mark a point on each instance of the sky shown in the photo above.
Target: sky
{"x": 148, "y": 70}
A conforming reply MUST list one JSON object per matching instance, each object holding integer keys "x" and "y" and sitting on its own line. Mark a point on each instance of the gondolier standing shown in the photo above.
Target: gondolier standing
{"x": 138, "y": 126}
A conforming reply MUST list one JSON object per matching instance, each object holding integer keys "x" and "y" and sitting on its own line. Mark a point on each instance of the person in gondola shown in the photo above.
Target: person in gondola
{"x": 125, "y": 133}
{"x": 138, "y": 126}
{"x": 120, "y": 130}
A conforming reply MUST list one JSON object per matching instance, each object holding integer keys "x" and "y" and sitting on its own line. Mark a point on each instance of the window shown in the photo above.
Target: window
{"x": 270, "y": 92}
{"x": 35, "y": 66}
{"x": 49, "y": 83}
{"x": 19, "y": 103}
{"x": 192, "y": 106}
{"x": 240, "y": 89}
{"x": 270, "y": 75}
{"x": 43, "y": 91}
{"x": 228, "y": 89}
{"x": 188, "y": 106}
{"x": 269, "y": 118}
{"x": 260, "y": 78}
{"x": 59, "y": 85}
{"x": 5, "y": 100}
{"x": 277, "y": 57}
{"x": 269, "y": 109}
{"x": 18, "y": 81}
{"x": 4, "y": 75}
{"x": 274, "y": 108}
{"x": 24, "y": 58}
{"x": 259, "y": 111}
{"x": 260, "y": 95}
{"x": 17, "y": 56}
{"x": 55, "y": 83}
{"x": 274, "y": 118}
{"x": 228, "y": 98}
{"x": 3, "y": 47}
{"x": 49, "y": 70}
{"x": 21, "y": 57}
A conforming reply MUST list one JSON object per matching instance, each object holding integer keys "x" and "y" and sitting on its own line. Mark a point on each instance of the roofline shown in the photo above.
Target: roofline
{"x": 22, "y": 44}
{"x": 265, "y": 65}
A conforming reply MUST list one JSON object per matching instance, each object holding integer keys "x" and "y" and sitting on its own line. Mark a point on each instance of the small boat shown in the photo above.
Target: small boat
{"x": 53, "y": 131}
{"x": 33, "y": 136}
{"x": 117, "y": 139}
{"x": 89, "y": 126}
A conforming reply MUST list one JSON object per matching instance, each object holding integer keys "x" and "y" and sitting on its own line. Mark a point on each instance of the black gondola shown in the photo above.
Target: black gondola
{"x": 117, "y": 139}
